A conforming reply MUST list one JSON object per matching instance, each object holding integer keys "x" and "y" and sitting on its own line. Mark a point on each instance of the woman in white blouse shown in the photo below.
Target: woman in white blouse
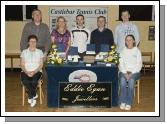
{"x": 130, "y": 66}
{"x": 31, "y": 65}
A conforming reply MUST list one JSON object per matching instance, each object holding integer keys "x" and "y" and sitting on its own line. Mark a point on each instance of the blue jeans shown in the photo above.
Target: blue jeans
{"x": 126, "y": 94}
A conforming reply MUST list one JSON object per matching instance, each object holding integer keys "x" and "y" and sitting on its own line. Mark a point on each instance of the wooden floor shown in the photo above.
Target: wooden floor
{"x": 13, "y": 97}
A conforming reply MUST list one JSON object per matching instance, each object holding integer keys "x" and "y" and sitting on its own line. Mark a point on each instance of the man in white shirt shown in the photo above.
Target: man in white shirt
{"x": 80, "y": 36}
{"x": 124, "y": 29}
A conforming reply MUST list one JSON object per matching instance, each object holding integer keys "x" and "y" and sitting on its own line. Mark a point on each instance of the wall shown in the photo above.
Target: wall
{"x": 13, "y": 30}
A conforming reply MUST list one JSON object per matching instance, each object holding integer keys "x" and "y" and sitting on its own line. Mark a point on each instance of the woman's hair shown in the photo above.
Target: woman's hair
{"x": 130, "y": 35}
{"x": 32, "y": 37}
{"x": 61, "y": 17}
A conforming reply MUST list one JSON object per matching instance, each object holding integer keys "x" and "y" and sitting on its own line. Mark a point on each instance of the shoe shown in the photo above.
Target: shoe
{"x": 127, "y": 107}
{"x": 33, "y": 103}
{"x": 29, "y": 100}
{"x": 36, "y": 96}
{"x": 122, "y": 106}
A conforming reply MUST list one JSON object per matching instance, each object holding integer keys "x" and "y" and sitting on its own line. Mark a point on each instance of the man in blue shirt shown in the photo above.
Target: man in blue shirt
{"x": 101, "y": 35}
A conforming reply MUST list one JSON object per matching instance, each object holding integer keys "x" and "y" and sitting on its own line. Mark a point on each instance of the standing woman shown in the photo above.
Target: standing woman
{"x": 60, "y": 34}
{"x": 31, "y": 65}
{"x": 130, "y": 66}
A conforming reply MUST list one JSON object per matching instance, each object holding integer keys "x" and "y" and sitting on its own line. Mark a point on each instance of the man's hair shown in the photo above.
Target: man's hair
{"x": 125, "y": 10}
{"x": 101, "y": 17}
{"x": 32, "y": 37}
{"x": 36, "y": 10}
{"x": 130, "y": 35}
{"x": 80, "y": 15}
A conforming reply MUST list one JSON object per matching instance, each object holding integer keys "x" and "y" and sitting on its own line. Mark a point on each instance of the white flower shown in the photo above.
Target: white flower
{"x": 52, "y": 62}
{"x": 53, "y": 57}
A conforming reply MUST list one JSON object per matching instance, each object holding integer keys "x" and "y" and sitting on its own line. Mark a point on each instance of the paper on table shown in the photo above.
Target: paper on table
{"x": 70, "y": 58}
{"x": 90, "y": 52}
{"x": 75, "y": 59}
{"x": 88, "y": 65}
{"x": 108, "y": 65}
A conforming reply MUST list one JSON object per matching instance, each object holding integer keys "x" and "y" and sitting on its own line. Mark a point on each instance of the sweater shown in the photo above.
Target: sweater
{"x": 130, "y": 60}
{"x": 121, "y": 31}
{"x": 42, "y": 33}
{"x": 104, "y": 37}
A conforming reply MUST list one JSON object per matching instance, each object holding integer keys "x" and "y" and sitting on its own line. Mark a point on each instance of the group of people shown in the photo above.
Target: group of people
{"x": 36, "y": 41}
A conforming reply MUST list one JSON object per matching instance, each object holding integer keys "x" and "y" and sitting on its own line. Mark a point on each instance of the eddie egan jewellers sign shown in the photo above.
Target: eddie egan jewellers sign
{"x": 85, "y": 94}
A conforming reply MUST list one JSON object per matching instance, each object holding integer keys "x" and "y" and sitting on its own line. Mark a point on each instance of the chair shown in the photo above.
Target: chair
{"x": 149, "y": 63}
{"x": 137, "y": 85}
{"x": 39, "y": 86}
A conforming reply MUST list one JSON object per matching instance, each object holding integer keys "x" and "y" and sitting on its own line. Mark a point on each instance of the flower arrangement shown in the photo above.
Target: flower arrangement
{"x": 53, "y": 58}
{"x": 113, "y": 56}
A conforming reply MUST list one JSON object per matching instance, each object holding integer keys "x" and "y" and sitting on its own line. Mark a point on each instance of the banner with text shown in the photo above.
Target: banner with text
{"x": 70, "y": 13}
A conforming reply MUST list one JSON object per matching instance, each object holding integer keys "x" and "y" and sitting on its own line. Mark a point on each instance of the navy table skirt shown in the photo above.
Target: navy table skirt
{"x": 56, "y": 74}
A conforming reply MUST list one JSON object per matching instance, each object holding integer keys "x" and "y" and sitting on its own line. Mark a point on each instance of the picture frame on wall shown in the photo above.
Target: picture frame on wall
{"x": 151, "y": 34}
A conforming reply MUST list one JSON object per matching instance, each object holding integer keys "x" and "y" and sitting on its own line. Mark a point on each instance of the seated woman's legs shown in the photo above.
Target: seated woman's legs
{"x": 30, "y": 83}
{"x": 34, "y": 82}
{"x": 123, "y": 84}
{"x": 26, "y": 82}
{"x": 131, "y": 85}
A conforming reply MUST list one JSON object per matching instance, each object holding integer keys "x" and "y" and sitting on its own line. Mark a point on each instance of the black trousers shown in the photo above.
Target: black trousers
{"x": 30, "y": 83}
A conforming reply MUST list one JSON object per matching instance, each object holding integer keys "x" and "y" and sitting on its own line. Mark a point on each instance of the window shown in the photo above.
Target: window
{"x": 13, "y": 12}
{"x": 29, "y": 10}
{"x": 18, "y": 12}
{"x": 138, "y": 12}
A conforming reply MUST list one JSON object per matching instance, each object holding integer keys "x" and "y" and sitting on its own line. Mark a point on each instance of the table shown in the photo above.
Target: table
{"x": 12, "y": 56}
{"x": 55, "y": 74}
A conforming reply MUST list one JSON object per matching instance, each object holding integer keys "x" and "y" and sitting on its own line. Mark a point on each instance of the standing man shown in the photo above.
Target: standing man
{"x": 101, "y": 35}
{"x": 124, "y": 29}
{"x": 80, "y": 36}
{"x": 41, "y": 30}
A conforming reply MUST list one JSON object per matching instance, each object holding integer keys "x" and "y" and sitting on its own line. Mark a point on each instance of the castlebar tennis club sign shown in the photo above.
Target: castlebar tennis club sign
{"x": 85, "y": 94}
{"x": 90, "y": 13}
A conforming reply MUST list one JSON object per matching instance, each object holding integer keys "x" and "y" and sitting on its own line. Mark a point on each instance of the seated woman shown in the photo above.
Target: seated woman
{"x": 60, "y": 35}
{"x": 129, "y": 67}
{"x": 31, "y": 65}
